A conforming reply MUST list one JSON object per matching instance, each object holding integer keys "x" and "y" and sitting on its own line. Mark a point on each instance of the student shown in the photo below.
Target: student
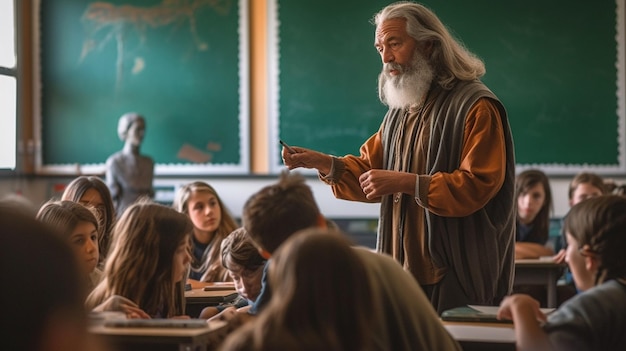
{"x": 321, "y": 288}
{"x": 212, "y": 222}
{"x": 20, "y": 202}
{"x": 147, "y": 264}
{"x": 596, "y": 318}
{"x": 534, "y": 204}
{"x": 42, "y": 291}
{"x": 129, "y": 174}
{"x": 408, "y": 320}
{"x": 91, "y": 190}
{"x": 245, "y": 266}
{"x": 79, "y": 226}
{"x": 584, "y": 185}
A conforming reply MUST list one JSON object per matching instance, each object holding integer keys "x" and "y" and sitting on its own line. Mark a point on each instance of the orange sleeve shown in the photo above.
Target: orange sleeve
{"x": 482, "y": 169}
{"x": 348, "y": 188}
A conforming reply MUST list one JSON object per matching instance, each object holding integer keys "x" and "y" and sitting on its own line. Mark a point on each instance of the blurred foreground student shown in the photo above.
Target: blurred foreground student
{"x": 245, "y": 266}
{"x": 596, "y": 318}
{"x": 41, "y": 300}
{"x": 534, "y": 203}
{"x": 320, "y": 293}
{"x": 212, "y": 222}
{"x": 147, "y": 264}
{"x": 92, "y": 191}
{"x": 407, "y": 319}
{"x": 79, "y": 226}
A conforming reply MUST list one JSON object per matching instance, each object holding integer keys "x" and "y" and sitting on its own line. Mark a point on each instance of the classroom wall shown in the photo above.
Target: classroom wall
{"x": 234, "y": 190}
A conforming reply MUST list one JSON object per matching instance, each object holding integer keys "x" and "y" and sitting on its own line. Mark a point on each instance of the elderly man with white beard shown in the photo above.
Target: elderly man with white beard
{"x": 442, "y": 163}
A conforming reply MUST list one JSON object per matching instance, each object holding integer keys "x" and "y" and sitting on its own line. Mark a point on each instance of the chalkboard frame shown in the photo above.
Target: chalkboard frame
{"x": 554, "y": 169}
{"x": 161, "y": 169}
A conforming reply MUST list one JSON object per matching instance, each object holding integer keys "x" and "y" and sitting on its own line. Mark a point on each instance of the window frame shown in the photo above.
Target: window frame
{"x": 15, "y": 72}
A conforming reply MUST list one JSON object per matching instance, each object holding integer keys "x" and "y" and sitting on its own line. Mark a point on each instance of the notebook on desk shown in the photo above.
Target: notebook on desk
{"x": 476, "y": 313}
{"x": 156, "y": 323}
{"x": 469, "y": 314}
{"x": 211, "y": 297}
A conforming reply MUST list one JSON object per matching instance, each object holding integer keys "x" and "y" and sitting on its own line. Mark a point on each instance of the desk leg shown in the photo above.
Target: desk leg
{"x": 552, "y": 289}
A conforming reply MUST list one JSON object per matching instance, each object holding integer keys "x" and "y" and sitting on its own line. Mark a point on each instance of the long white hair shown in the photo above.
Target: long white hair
{"x": 449, "y": 58}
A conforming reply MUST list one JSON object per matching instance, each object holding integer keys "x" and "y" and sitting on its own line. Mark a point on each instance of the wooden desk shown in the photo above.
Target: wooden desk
{"x": 475, "y": 336}
{"x": 160, "y": 339}
{"x": 197, "y": 299}
{"x": 539, "y": 272}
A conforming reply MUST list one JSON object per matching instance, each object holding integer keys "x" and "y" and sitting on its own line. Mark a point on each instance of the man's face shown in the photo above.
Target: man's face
{"x": 407, "y": 74}
{"x": 394, "y": 44}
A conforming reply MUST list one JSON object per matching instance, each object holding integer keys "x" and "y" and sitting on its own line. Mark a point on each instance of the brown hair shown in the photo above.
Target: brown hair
{"x": 321, "y": 298}
{"x": 210, "y": 263}
{"x": 586, "y": 178}
{"x": 541, "y": 224}
{"x": 40, "y": 279}
{"x": 600, "y": 222}
{"x": 239, "y": 249}
{"x": 139, "y": 268}
{"x": 277, "y": 211}
{"x": 77, "y": 188}
{"x": 64, "y": 216}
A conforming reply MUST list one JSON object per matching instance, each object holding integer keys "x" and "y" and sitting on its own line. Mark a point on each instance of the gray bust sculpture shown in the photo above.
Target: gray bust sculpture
{"x": 129, "y": 174}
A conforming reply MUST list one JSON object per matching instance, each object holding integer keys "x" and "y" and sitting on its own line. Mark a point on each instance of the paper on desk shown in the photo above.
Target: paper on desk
{"x": 481, "y": 333}
{"x": 493, "y": 310}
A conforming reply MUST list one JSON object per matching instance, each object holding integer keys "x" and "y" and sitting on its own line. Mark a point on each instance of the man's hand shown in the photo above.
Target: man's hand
{"x": 377, "y": 182}
{"x": 306, "y": 158}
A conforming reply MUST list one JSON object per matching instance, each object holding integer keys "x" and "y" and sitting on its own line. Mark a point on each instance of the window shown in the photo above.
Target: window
{"x": 8, "y": 86}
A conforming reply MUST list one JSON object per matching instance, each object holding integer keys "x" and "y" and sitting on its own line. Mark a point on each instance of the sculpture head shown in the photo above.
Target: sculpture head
{"x": 131, "y": 127}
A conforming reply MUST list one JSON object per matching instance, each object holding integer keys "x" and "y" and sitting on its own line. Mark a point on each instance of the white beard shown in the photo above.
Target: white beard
{"x": 409, "y": 88}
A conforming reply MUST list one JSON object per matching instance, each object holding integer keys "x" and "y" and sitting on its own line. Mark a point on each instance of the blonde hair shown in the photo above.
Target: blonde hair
{"x": 140, "y": 264}
{"x": 210, "y": 264}
{"x": 450, "y": 59}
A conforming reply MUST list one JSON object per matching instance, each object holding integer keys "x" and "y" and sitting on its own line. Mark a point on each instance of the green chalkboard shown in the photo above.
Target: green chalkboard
{"x": 177, "y": 62}
{"x": 554, "y": 64}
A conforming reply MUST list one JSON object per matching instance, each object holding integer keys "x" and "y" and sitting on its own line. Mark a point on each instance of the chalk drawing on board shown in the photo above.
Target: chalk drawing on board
{"x": 216, "y": 131}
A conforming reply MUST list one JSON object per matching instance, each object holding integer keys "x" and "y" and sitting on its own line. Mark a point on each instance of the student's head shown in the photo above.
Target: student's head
{"x": 19, "y": 202}
{"x": 275, "y": 212}
{"x": 416, "y": 48}
{"x": 596, "y": 238}
{"x": 585, "y": 185}
{"x": 92, "y": 191}
{"x": 150, "y": 255}
{"x": 320, "y": 283}
{"x": 534, "y": 199}
{"x": 42, "y": 288}
{"x": 212, "y": 222}
{"x": 243, "y": 262}
{"x": 203, "y": 205}
{"x": 78, "y": 225}
{"x": 131, "y": 128}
